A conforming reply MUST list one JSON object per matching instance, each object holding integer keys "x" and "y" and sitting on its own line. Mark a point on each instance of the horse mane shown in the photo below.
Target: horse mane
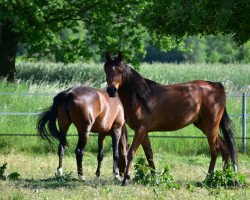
{"x": 137, "y": 87}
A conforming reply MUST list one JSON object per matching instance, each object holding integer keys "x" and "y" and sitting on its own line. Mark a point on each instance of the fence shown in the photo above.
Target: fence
{"x": 243, "y": 115}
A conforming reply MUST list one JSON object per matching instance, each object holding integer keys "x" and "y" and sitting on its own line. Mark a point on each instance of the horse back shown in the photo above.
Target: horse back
{"x": 179, "y": 105}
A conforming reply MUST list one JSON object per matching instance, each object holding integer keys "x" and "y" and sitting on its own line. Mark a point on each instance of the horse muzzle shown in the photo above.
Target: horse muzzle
{"x": 111, "y": 90}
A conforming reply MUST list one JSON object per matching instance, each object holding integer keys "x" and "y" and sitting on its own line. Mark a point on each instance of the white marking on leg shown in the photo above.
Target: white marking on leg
{"x": 235, "y": 168}
{"x": 117, "y": 177}
{"x": 81, "y": 178}
{"x": 60, "y": 172}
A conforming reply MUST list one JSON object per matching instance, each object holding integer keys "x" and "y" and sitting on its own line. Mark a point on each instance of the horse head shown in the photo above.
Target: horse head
{"x": 115, "y": 70}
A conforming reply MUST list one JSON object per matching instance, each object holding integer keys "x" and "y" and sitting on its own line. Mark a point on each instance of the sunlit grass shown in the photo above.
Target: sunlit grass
{"x": 37, "y": 179}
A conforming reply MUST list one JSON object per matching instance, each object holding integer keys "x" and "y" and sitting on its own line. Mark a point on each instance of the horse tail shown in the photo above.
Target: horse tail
{"x": 227, "y": 129}
{"x": 46, "y": 123}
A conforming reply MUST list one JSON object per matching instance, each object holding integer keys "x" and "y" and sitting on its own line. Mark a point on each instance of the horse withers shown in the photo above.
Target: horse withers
{"x": 150, "y": 106}
{"x": 88, "y": 109}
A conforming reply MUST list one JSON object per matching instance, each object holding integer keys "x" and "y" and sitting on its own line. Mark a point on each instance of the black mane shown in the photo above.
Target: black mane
{"x": 137, "y": 87}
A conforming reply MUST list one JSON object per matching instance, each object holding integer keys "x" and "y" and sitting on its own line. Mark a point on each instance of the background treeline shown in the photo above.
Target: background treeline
{"x": 209, "y": 49}
{"x": 206, "y": 49}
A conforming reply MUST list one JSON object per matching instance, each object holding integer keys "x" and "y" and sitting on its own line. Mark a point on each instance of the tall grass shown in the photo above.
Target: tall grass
{"x": 51, "y": 78}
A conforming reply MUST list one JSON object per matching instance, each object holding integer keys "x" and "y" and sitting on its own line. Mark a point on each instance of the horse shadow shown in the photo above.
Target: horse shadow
{"x": 65, "y": 181}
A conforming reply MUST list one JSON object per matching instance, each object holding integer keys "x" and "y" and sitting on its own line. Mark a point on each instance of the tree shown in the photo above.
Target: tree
{"x": 180, "y": 18}
{"x": 38, "y": 24}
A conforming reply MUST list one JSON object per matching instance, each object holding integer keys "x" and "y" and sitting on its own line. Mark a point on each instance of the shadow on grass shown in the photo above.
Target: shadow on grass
{"x": 65, "y": 181}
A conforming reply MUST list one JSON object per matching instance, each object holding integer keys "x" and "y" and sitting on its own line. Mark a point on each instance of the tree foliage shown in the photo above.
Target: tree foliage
{"x": 180, "y": 18}
{"x": 40, "y": 24}
{"x": 79, "y": 29}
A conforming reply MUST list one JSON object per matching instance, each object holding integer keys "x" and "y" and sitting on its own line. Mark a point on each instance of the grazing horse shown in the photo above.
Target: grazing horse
{"x": 88, "y": 109}
{"x": 151, "y": 106}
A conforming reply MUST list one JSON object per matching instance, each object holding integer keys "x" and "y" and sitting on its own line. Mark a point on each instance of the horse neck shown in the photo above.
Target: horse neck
{"x": 125, "y": 98}
{"x": 130, "y": 109}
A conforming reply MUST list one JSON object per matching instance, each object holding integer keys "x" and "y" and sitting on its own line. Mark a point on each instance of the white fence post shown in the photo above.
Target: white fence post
{"x": 244, "y": 128}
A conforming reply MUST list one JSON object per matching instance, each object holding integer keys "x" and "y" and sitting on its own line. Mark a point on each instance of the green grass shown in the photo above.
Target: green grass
{"x": 37, "y": 179}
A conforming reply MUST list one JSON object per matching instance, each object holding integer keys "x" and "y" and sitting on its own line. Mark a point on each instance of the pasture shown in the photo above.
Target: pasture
{"x": 36, "y": 160}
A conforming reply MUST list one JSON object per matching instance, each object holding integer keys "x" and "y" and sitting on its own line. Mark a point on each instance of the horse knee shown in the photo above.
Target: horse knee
{"x": 79, "y": 153}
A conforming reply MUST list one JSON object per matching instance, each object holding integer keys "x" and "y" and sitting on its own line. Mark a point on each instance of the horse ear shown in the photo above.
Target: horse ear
{"x": 120, "y": 57}
{"x": 108, "y": 56}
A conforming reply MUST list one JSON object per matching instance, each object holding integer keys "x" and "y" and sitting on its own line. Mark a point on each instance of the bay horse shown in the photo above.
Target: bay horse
{"x": 88, "y": 109}
{"x": 150, "y": 106}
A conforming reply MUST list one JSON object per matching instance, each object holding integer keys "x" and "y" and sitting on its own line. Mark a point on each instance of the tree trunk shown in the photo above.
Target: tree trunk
{"x": 8, "y": 50}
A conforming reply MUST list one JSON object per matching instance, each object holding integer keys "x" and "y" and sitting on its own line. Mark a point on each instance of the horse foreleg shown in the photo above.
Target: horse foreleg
{"x": 115, "y": 142}
{"x": 100, "y": 153}
{"x": 123, "y": 148}
{"x": 148, "y": 152}
{"x": 139, "y": 136}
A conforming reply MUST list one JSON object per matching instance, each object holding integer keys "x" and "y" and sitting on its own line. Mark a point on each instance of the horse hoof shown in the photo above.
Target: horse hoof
{"x": 117, "y": 177}
{"x": 81, "y": 178}
{"x": 60, "y": 172}
{"x": 124, "y": 183}
{"x": 97, "y": 174}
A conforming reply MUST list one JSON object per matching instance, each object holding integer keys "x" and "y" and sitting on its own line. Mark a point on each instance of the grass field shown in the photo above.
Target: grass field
{"x": 37, "y": 179}
{"x": 36, "y": 160}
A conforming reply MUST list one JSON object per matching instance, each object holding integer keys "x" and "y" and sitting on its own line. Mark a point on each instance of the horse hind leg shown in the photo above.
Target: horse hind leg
{"x": 214, "y": 147}
{"x": 64, "y": 124}
{"x": 148, "y": 152}
{"x": 224, "y": 151}
{"x": 83, "y": 135}
{"x": 211, "y": 132}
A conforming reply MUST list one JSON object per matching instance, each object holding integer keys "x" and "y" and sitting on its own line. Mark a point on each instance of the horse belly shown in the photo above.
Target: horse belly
{"x": 171, "y": 125}
{"x": 171, "y": 121}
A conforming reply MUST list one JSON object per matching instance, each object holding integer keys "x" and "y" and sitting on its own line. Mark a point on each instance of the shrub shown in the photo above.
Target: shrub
{"x": 11, "y": 176}
{"x": 227, "y": 179}
{"x": 147, "y": 176}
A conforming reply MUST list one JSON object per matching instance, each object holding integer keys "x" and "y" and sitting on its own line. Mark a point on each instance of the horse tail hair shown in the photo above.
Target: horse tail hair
{"x": 227, "y": 129}
{"x": 46, "y": 123}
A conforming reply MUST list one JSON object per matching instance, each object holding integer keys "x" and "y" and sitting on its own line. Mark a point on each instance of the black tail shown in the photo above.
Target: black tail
{"x": 46, "y": 124}
{"x": 228, "y": 130}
